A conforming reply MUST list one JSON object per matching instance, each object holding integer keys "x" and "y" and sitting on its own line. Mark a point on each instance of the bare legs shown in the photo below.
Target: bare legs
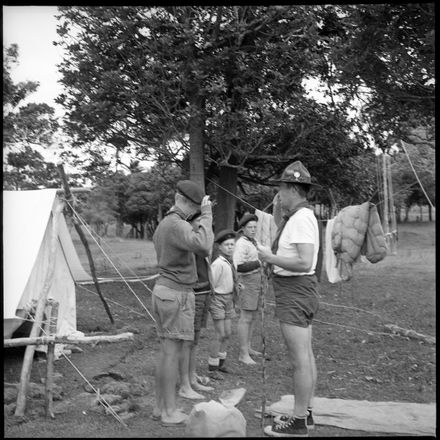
{"x": 244, "y": 329}
{"x": 166, "y": 380}
{"x": 223, "y": 332}
{"x": 299, "y": 346}
{"x": 186, "y": 389}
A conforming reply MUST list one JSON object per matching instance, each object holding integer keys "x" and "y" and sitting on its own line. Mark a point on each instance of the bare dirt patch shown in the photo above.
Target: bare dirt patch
{"x": 355, "y": 359}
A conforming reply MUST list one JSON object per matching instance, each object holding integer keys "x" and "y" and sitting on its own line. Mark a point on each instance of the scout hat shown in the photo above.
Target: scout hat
{"x": 246, "y": 219}
{"x": 223, "y": 235}
{"x": 190, "y": 190}
{"x": 296, "y": 172}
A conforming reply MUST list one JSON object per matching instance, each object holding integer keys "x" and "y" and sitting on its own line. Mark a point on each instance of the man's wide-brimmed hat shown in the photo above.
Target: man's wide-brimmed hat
{"x": 296, "y": 172}
{"x": 190, "y": 190}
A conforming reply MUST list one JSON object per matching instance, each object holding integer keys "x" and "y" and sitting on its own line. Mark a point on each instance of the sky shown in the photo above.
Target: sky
{"x": 33, "y": 29}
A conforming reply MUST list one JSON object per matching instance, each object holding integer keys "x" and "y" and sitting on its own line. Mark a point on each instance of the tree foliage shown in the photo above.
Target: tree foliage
{"x": 24, "y": 127}
{"x": 228, "y": 82}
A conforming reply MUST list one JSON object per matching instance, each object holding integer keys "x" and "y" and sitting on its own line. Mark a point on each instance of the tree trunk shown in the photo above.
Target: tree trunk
{"x": 119, "y": 227}
{"x": 406, "y": 214}
{"x": 399, "y": 214}
{"x": 430, "y": 213}
{"x": 421, "y": 212}
{"x": 225, "y": 209}
{"x": 196, "y": 153}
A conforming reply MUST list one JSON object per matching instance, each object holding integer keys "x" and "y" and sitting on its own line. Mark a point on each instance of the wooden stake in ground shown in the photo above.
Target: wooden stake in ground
{"x": 52, "y": 316}
{"x": 84, "y": 241}
{"x": 41, "y": 305}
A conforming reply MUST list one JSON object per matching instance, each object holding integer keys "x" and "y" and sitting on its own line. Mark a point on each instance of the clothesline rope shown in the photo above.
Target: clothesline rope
{"x": 111, "y": 262}
{"x": 415, "y": 173}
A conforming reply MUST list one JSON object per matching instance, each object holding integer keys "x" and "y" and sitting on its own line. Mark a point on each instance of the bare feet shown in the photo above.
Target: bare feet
{"x": 176, "y": 418}
{"x": 254, "y": 352}
{"x": 247, "y": 360}
{"x": 199, "y": 387}
{"x": 201, "y": 379}
{"x": 189, "y": 393}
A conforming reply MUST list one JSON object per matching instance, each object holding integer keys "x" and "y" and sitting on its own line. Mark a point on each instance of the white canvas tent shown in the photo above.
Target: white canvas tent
{"x": 27, "y": 228}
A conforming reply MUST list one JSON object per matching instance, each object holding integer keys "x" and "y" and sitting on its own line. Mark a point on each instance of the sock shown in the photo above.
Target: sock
{"x": 222, "y": 354}
{"x": 300, "y": 417}
{"x": 215, "y": 362}
{"x": 309, "y": 409}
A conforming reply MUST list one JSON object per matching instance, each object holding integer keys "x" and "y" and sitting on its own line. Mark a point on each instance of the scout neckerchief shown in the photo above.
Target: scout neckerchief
{"x": 234, "y": 277}
{"x": 286, "y": 218}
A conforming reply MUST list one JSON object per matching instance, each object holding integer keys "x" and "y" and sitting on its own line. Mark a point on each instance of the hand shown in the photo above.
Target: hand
{"x": 264, "y": 253}
{"x": 206, "y": 201}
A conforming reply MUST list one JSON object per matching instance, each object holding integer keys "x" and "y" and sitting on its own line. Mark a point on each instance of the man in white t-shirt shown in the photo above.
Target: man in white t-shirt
{"x": 293, "y": 257}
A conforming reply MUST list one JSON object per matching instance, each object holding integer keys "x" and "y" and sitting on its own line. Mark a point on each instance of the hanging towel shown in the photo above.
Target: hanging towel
{"x": 266, "y": 228}
{"x": 331, "y": 268}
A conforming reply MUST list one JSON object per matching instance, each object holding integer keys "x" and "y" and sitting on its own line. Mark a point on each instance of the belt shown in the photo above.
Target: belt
{"x": 202, "y": 287}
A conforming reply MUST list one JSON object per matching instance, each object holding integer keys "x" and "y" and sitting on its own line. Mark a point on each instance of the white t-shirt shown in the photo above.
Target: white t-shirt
{"x": 222, "y": 276}
{"x": 302, "y": 227}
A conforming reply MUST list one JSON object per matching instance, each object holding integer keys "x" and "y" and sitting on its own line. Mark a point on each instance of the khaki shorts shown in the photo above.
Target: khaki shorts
{"x": 249, "y": 297}
{"x": 222, "y": 306}
{"x": 174, "y": 312}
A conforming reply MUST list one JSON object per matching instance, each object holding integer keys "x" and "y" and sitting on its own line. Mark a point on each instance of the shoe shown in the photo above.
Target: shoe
{"x": 290, "y": 428}
{"x": 216, "y": 375}
{"x": 213, "y": 367}
{"x": 310, "y": 423}
{"x": 222, "y": 367}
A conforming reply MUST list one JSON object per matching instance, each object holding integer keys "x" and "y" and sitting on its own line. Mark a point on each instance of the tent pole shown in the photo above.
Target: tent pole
{"x": 80, "y": 232}
{"x": 52, "y": 314}
{"x": 41, "y": 305}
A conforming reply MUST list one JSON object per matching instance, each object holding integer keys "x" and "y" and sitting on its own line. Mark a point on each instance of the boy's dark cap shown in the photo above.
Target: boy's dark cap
{"x": 223, "y": 235}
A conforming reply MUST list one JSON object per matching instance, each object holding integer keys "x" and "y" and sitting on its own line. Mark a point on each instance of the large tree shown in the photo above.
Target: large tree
{"x": 222, "y": 84}
{"x": 25, "y": 126}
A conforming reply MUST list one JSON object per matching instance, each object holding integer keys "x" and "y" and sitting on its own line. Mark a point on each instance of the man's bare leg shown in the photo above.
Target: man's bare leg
{"x": 186, "y": 389}
{"x": 170, "y": 351}
{"x": 297, "y": 342}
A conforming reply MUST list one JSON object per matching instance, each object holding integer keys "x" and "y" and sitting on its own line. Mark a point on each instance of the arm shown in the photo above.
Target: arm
{"x": 302, "y": 262}
{"x": 247, "y": 267}
{"x": 199, "y": 241}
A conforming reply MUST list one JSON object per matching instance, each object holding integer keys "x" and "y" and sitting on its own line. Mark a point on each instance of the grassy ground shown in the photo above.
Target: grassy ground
{"x": 356, "y": 358}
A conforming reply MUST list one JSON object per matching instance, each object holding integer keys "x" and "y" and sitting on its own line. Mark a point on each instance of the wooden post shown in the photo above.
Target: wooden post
{"x": 41, "y": 340}
{"x": 393, "y": 242}
{"x": 41, "y": 305}
{"x": 52, "y": 316}
{"x": 385, "y": 222}
{"x": 80, "y": 232}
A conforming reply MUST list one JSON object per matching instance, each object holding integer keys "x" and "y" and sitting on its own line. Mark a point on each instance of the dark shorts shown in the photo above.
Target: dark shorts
{"x": 173, "y": 311}
{"x": 222, "y": 306}
{"x": 249, "y": 296}
{"x": 201, "y": 313}
{"x": 296, "y": 299}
